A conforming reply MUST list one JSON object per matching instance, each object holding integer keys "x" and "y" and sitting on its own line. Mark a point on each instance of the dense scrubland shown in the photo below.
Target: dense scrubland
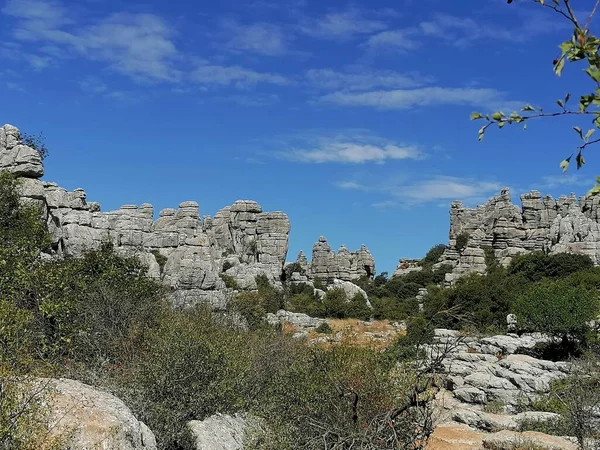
{"x": 99, "y": 319}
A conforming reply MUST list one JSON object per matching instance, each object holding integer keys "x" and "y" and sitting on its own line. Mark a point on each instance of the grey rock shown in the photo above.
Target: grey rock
{"x": 343, "y": 265}
{"x": 350, "y": 289}
{"x": 299, "y": 320}
{"x": 16, "y": 158}
{"x": 90, "y": 417}
{"x": 513, "y": 439}
{"x": 219, "y": 432}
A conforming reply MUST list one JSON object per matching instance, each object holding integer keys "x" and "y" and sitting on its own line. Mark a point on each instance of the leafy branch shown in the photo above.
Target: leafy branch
{"x": 582, "y": 46}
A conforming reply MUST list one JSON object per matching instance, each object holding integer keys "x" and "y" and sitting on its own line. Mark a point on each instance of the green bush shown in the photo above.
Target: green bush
{"x": 229, "y": 281}
{"x": 338, "y": 306}
{"x": 393, "y": 308}
{"x": 480, "y": 300}
{"x": 318, "y": 283}
{"x": 324, "y": 328}
{"x": 537, "y": 265}
{"x": 462, "y": 240}
{"x": 558, "y": 309}
{"x": 433, "y": 255}
{"x": 307, "y": 304}
{"x": 253, "y": 306}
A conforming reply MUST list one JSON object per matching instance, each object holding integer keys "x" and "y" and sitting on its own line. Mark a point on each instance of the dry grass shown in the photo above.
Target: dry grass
{"x": 377, "y": 334}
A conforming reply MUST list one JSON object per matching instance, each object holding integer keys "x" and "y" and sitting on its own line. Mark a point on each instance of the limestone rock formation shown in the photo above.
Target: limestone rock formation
{"x": 407, "y": 266}
{"x": 540, "y": 224}
{"x": 17, "y": 158}
{"x": 182, "y": 249}
{"x": 343, "y": 265}
{"x": 94, "y": 419}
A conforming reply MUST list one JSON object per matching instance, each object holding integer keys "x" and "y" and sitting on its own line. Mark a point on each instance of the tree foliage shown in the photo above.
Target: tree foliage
{"x": 582, "y": 47}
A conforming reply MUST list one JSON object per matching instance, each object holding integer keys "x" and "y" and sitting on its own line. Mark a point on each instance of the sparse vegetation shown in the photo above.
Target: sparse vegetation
{"x": 462, "y": 240}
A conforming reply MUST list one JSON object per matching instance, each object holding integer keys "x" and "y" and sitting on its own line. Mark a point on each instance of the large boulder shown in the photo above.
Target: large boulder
{"x": 94, "y": 419}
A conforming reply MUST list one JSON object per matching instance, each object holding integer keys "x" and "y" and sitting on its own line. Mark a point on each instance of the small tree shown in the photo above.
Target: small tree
{"x": 433, "y": 255}
{"x": 462, "y": 240}
{"x": 557, "y": 308}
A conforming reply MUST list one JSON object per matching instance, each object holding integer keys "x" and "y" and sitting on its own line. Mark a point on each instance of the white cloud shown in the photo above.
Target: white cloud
{"x": 397, "y": 40}
{"x": 439, "y": 190}
{"x": 236, "y": 76}
{"x": 341, "y": 25}
{"x": 364, "y": 80}
{"x": 260, "y": 38}
{"x": 426, "y": 96}
{"x": 257, "y": 99}
{"x": 351, "y": 149}
{"x": 139, "y": 45}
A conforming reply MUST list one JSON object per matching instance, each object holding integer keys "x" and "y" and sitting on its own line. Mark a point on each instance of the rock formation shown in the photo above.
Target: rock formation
{"x": 406, "y": 266}
{"x": 91, "y": 418}
{"x": 186, "y": 252}
{"x": 329, "y": 265}
{"x": 541, "y": 223}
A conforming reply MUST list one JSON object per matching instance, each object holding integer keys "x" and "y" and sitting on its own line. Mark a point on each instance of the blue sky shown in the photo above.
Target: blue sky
{"x": 352, "y": 117}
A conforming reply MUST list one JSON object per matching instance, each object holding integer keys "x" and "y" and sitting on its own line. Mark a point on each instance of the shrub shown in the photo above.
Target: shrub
{"x": 433, "y": 255}
{"x": 229, "y": 281}
{"x": 307, "y": 304}
{"x": 36, "y": 142}
{"x": 324, "y": 328}
{"x": 462, "y": 240}
{"x": 318, "y": 283}
{"x": 537, "y": 265}
{"x": 392, "y": 308}
{"x": 481, "y": 300}
{"x": 557, "y": 308}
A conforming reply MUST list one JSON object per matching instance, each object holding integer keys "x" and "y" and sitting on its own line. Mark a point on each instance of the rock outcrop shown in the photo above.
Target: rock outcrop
{"x": 328, "y": 265}
{"x": 540, "y": 224}
{"x": 406, "y": 266}
{"x": 92, "y": 419}
{"x": 187, "y": 252}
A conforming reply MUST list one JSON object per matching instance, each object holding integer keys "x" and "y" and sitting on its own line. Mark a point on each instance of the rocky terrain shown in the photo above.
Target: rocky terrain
{"x": 188, "y": 252}
{"x": 566, "y": 224}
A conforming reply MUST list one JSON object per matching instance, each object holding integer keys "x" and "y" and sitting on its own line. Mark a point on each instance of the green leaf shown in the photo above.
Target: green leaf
{"x": 559, "y": 66}
{"x": 564, "y": 165}
{"x": 528, "y": 108}
{"x": 497, "y": 116}
{"x": 578, "y": 131}
{"x": 560, "y": 103}
{"x": 567, "y": 97}
{"x": 476, "y": 115}
{"x": 589, "y": 133}
{"x": 501, "y": 124}
{"x": 580, "y": 161}
{"x": 594, "y": 191}
{"x": 481, "y": 132}
{"x": 594, "y": 73}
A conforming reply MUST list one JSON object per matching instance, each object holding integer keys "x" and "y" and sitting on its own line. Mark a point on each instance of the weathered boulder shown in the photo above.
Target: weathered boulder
{"x": 350, "y": 289}
{"x": 95, "y": 419}
{"x": 17, "y": 158}
{"x": 528, "y": 439}
{"x": 219, "y": 432}
{"x": 299, "y": 320}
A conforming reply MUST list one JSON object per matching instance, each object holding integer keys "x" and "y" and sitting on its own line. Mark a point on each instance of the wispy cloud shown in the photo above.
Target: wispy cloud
{"x": 330, "y": 79}
{"x": 260, "y": 38}
{"x": 439, "y": 190}
{"x": 253, "y": 100}
{"x": 235, "y": 76}
{"x": 394, "y": 40}
{"x": 350, "y": 148}
{"x": 139, "y": 45}
{"x": 93, "y": 85}
{"x": 403, "y": 99}
{"x": 341, "y": 25}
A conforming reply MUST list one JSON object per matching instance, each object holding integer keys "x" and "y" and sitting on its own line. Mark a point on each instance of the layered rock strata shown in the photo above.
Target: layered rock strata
{"x": 566, "y": 224}
{"x": 187, "y": 252}
{"x": 328, "y": 265}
